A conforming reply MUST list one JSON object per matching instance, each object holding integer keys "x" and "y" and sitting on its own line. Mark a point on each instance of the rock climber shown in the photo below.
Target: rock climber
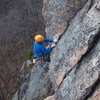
{"x": 40, "y": 51}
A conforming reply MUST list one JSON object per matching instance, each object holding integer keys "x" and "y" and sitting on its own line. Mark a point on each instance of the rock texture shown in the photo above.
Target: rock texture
{"x": 74, "y": 70}
{"x": 96, "y": 94}
{"x": 84, "y": 76}
{"x": 76, "y": 41}
{"x": 50, "y": 98}
{"x": 40, "y": 85}
{"x": 19, "y": 19}
{"x": 58, "y": 13}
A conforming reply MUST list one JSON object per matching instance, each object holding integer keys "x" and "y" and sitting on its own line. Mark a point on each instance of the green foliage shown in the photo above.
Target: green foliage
{"x": 30, "y": 66}
{"x": 29, "y": 54}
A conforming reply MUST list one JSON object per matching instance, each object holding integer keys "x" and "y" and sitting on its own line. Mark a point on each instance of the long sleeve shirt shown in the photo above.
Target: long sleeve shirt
{"x": 40, "y": 50}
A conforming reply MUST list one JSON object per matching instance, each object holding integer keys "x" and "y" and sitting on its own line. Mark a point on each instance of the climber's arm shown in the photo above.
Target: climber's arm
{"x": 45, "y": 51}
{"x": 48, "y": 40}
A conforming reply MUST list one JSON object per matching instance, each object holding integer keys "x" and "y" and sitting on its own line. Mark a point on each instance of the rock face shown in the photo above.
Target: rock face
{"x": 18, "y": 21}
{"x": 58, "y": 13}
{"x": 75, "y": 46}
{"x": 81, "y": 80}
{"x": 74, "y": 70}
{"x": 50, "y": 98}
{"x": 96, "y": 94}
{"x": 40, "y": 85}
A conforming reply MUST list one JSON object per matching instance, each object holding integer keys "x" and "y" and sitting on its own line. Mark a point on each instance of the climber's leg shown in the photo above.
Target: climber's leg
{"x": 46, "y": 58}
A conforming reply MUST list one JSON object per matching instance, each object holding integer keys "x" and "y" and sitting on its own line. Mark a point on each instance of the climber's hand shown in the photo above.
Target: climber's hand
{"x": 55, "y": 40}
{"x": 53, "y": 45}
